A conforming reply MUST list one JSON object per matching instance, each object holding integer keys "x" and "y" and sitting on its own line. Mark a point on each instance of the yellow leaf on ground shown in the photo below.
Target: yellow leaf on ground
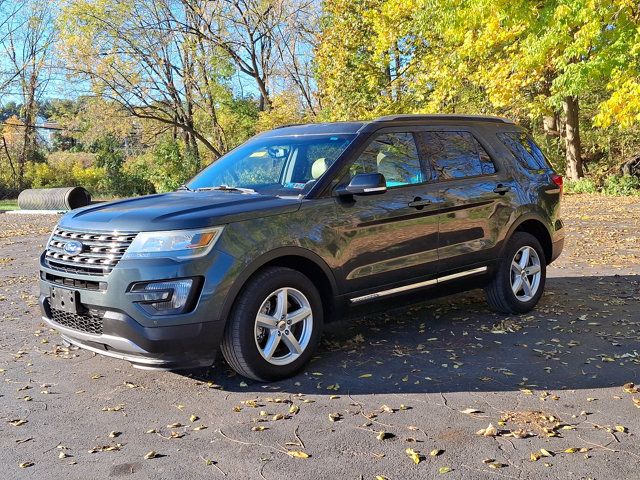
{"x": 413, "y": 455}
{"x": 298, "y": 454}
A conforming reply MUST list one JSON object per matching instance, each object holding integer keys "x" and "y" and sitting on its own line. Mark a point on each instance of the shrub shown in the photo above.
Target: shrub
{"x": 165, "y": 168}
{"x": 583, "y": 185}
{"x": 621, "y": 185}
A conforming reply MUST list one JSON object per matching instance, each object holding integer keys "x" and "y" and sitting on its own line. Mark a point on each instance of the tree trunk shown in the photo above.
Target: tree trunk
{"x": 551, "y": 125}
{"x": 572, "y": 138}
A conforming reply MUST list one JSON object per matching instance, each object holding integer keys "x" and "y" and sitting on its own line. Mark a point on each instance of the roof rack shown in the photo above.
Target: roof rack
{"x": 476, "y": 118}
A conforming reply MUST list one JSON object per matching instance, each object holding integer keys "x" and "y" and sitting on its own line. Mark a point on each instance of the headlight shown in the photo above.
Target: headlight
{"x": 173, "y": 243}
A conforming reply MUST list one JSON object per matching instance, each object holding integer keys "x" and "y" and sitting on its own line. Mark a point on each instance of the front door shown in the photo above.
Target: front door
{"x": 389, "y": 239}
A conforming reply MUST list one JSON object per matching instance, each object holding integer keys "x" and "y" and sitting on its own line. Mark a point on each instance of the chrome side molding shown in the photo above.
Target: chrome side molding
{"x": 413, "y": 286}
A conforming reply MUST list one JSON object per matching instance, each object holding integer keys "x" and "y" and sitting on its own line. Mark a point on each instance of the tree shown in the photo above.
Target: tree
{"x": 138, "y": 54}
{"x": 535, "y": 61}
{"x": 260, "y": 37}
{"x": 27, "y": 44}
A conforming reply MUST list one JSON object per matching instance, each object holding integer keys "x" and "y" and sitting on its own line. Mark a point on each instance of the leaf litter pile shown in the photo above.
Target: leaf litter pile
{"x": 445, "y": 388}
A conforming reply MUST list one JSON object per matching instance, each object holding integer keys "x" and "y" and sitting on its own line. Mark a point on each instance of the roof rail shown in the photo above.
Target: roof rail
{"x": 288, "y": 125}
{"x": 412, "y": 117}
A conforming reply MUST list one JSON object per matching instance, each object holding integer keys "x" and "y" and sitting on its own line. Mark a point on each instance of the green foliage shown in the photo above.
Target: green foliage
{"x": 583, "y": 185}
{"x": 166, "y": 167}
{"x": 621, "y": 185}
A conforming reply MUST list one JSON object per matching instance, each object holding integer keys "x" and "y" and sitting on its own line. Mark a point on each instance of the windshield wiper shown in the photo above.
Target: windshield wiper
{"x": 226, "y": 188}
{"x": 184, "y": 187}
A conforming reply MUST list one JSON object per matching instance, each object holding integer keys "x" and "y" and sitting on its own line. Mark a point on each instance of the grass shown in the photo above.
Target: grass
{"x": 8, "y": 205}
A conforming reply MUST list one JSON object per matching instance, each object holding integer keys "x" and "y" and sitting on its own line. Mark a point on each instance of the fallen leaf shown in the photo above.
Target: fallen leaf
{"x": 150, "y": 455}
{"x": 194, "y": 418}
{"x": 570, "y": 450}
{"x": 490, "y": 431}
{"x": 365, "y": 375}
{"x": 258, "y": 428}
{"x": 621, "y": 428}
{"x": 436, "y": 452}
{"x": 470, "y": 411}
{"x": 443, "y": 470}
{"x": 334, "y": 417}
{"x": 114, "y": 434}
{"x": 546, "y": 453}
{"x": 413, "y": 455}
{"x": 26, "y": 464}
{"x": 298, "y": 454}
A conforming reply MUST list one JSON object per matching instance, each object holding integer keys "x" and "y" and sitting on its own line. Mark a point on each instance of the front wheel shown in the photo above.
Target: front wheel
{"x": 519, "y": 281}
{"x": 275, "y": 325}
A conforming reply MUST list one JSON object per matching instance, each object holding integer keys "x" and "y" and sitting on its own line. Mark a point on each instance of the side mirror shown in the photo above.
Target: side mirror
{"x": 364, "y": 184}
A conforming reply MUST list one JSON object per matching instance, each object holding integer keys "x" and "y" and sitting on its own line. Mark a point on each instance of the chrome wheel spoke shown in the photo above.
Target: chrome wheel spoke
{"x": 281, "y": 303}
{"x": 516, "y": 268}
{"x": 524, "y": 259}
{"x": 533, "y": 269}
{"x": 266, "y": 321}
{"x": 292, "y": 343}
{"x": 526, "y": 285}
{"x": 516, "y": 286}
{"x": 298, "y": 315}
{"x": 272, "y": 343}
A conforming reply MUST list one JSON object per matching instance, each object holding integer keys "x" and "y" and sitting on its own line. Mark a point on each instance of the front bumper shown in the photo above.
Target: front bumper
{"x": 168, "y": 342}
{"x": 163, "y": 348}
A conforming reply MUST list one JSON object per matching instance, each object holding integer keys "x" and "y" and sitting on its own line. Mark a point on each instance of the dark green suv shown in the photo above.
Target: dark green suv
{"x": 282, "y": 234}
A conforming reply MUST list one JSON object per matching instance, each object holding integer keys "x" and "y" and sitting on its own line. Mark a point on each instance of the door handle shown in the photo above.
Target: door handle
{"x": 419, "y": 203}
{"x": 502, "y": 189}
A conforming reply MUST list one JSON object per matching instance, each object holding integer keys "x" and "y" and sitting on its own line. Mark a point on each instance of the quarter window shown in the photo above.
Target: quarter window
{"x": 456, "y": 155}
{"x": 395, "y": 156}
{"x": 525, "y": 150}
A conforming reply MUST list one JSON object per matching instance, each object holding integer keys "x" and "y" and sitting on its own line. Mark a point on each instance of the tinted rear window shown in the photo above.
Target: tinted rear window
{"x": 455, "y": 155}
{"x": 525, "y": 150}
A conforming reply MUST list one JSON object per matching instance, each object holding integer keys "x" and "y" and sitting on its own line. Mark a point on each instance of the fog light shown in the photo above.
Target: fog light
{"x": 163, "y": 298}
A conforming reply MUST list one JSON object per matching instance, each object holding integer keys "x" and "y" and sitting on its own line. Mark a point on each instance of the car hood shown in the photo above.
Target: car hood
{"x": 176, "y": 210}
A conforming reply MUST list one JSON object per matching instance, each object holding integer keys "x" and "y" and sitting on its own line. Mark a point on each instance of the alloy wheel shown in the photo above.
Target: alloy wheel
{"x": 283, "y": 326}
{"x": 526, "y": 273}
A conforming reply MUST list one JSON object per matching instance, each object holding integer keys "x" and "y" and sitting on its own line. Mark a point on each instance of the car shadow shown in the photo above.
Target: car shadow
{"x": 585, "y": 333}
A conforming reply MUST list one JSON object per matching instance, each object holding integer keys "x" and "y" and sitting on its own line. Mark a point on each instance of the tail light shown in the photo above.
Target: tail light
{"x": 558, "y": 180}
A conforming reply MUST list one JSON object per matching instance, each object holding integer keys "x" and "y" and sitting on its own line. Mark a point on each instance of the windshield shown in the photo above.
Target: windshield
{"x": 276, "y": 166}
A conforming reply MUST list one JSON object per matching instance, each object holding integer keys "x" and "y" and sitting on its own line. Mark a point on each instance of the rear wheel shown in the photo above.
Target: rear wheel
{"x": 275, "y": 325}
{"x": 520, "y": 279}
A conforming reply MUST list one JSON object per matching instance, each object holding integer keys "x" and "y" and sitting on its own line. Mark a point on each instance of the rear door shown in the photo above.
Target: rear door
{"x": 478, "y": 197}
{"x": 388, "y": 239}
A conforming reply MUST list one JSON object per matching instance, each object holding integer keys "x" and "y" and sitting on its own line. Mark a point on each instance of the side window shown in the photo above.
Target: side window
{"x": 395, "y": 156}
{"x": 525, "y": 150}
{"x": 456, "y": 155}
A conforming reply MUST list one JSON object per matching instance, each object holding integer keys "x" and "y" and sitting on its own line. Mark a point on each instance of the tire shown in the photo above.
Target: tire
{"x": 500, "y": 291}
{"x": 246, "y": 341}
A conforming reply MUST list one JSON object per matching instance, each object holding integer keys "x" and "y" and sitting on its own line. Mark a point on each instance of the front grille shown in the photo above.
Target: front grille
{"x": 88, "y": 322}
{"x": 74, "y": 282}
{"x": 99, "y": 254}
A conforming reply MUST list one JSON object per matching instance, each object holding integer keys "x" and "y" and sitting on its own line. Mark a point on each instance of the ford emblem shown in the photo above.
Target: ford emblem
{"x": 73, "y": 247}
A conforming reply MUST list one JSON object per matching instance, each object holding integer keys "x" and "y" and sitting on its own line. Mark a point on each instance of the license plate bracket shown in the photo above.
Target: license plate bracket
{"x": 65, "y": 300}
